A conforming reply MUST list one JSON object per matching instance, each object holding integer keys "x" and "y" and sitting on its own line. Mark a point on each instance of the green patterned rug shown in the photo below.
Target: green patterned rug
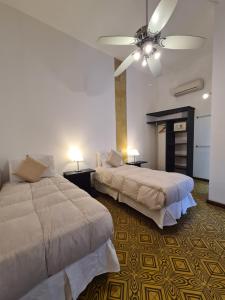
{"x": 186, "y": 261}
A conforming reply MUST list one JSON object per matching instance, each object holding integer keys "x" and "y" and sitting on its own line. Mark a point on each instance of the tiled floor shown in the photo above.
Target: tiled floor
{"x": 186, "y": 261}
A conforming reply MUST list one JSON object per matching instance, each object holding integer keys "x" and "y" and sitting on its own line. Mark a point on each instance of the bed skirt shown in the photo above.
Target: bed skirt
{"x": 78, "y": 275}
{"x": 167, "y": 216}
{"x": 104, "y": 189}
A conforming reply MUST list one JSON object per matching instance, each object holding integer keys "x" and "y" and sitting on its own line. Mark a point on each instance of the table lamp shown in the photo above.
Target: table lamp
{"x": 133, "y": 152}
{"x": 77, "y": 157}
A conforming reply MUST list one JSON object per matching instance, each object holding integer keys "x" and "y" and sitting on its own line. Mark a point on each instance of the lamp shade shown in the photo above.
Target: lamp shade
{"x": 133, "y": 152}
{"x": 75, "y": 155}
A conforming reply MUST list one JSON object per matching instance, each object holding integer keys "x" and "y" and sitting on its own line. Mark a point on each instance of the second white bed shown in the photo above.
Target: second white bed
{"x": 161, "y": 196}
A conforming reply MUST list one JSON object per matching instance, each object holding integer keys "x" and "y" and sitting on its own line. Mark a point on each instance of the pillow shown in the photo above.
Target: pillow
{"x": 102, "y": 159}
{"x": 31, "y": 169}
{"x": 114, "y": 158}
{"x": 45, "y": 159}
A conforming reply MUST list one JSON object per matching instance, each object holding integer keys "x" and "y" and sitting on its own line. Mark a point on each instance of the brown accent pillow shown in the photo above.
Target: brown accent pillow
{"x": 30, "y": 169}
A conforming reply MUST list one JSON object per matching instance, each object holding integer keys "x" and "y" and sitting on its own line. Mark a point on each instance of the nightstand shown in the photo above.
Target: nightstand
{"x": 137, "y": 163}
{"x": 81, "y": 179}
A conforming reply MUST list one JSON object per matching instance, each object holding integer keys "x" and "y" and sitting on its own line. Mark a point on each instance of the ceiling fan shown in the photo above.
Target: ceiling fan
{"x": 149, "y": 40}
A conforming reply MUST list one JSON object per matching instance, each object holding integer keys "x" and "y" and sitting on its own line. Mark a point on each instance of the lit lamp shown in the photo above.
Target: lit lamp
{"x": 76, "y": 156}
{"x": 133, "y": 152}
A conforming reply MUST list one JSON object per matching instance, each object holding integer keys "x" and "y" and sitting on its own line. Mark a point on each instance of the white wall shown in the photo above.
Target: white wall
{"x": 57, "y": 92}
{"x": 140, "y": 98}
{"x": 217, "y": 159}
{"x": 54, "y": 92}
{"x": 201, "y": 68}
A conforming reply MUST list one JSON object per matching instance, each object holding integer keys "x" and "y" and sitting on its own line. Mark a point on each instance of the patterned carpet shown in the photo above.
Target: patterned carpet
{"x": 186, "y": 261}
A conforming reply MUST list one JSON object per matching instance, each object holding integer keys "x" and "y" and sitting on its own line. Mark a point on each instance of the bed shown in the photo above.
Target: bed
{"x": 54, "y": 239}
{"x": 161, "y": 196}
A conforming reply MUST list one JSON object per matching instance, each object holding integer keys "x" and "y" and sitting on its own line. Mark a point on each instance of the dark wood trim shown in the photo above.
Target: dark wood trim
{"x": 137, "y": 163}
{"x": 168, "y": 120}
{"x": 190, "y": 141}
{"x": 171, "y": 111}
{"x": 202, "y": 179}
{"x": 170, "y": 146}
{"x": 215, "y": 203}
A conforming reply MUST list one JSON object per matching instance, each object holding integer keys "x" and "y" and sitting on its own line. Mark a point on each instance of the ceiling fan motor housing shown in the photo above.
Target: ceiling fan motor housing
{"x": 143, "y": 36}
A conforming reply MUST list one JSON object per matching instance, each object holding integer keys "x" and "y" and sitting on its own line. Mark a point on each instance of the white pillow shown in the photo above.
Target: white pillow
{"x": 115, "y": 159}
{"x": 45, "y": 159}
{"x": 102, "y": 159}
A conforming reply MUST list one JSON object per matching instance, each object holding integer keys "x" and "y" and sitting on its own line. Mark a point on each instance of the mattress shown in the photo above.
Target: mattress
{"x": 45, "y": 227}
{"x": 153, "y": 189}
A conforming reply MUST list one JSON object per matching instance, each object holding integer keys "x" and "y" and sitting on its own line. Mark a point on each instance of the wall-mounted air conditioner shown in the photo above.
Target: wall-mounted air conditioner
{"x": 189, "y": 87}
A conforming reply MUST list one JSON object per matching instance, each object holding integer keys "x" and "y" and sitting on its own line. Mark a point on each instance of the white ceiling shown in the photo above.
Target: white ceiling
{"x": 86, "y": 20}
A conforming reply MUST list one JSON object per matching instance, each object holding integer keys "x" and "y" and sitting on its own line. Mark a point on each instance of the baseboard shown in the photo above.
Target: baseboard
{"x": 202, "y": 179}
{"x": 216, "y": 203}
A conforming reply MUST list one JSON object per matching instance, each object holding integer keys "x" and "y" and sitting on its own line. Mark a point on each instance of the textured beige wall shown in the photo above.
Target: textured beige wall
{"x": 121, "y": 111}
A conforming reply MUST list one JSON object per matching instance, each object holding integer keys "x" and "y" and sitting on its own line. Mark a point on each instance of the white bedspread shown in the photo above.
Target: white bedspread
{"x": 80, "y": 274}
{"x": 45, "y": 227}
{"x": 154, "y": 189}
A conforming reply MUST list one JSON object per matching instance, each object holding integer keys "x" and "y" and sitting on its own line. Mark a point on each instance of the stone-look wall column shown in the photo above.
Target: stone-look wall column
{"x": 121, "y": 111}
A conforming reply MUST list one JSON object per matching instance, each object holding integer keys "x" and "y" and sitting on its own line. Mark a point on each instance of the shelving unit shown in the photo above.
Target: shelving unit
{"x": 180, "y": 167}
{"x": 181, "y": 150}
{"x": 179, "y": 144}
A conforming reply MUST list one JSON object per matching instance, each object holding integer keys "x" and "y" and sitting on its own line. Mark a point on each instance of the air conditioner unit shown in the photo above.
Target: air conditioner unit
{"x": 189, "y": 87}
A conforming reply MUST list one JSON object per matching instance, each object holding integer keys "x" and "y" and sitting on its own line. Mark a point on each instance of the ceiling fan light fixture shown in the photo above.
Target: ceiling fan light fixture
{"x": 144, "y": 62}
{"x": 157, "y": 55}
{"x": 148, "y": 48}
{"x": 148, "y": 39}
{"x": 137, "y": 55}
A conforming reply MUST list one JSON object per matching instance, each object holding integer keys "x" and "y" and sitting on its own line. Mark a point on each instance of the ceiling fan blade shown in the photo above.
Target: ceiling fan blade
{"x": 117, "y": 40}
{"x": 124, "y": 65}
{"x": 182, "y": 42}
{"x": 161, "y": 15}
{"x": 155, "y": 66}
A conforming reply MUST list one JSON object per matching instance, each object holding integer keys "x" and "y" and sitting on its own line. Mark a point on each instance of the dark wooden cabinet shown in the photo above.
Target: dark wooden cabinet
{"x": 179, "y": 143}
{"x": 137, "y": 163}
{"x": 170, "y": 147}
{"x": 81, "y": 178}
